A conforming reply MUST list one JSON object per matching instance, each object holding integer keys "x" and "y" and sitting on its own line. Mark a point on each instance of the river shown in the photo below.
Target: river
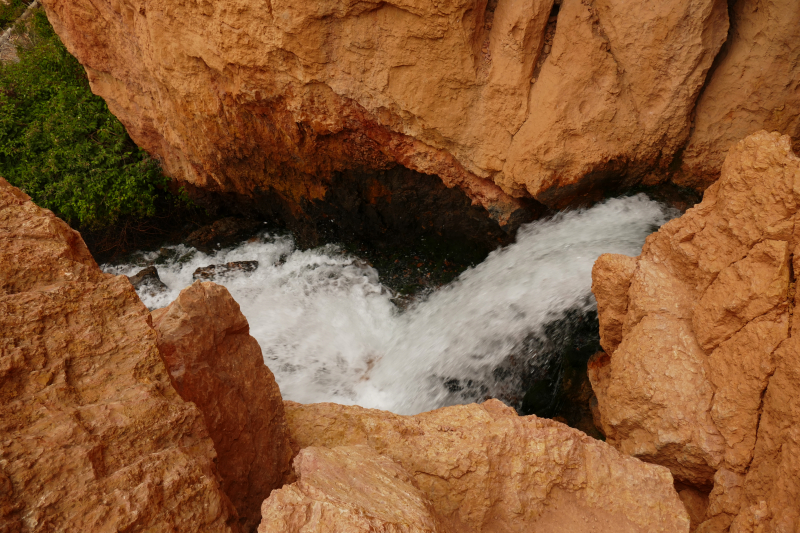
{"x": 330, "y": 331}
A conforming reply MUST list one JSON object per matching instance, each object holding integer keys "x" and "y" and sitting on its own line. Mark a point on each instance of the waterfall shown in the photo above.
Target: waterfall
{"x": 330, "y": 331}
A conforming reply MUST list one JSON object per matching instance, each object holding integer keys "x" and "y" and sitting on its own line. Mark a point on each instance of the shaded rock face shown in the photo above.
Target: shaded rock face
{"x": 701, "y": 373}
{"x": 486, "y": 469}
{"x": 403, "y": 204}
{"x": 224, "y": 232}
{"x": 507, "y": 101}
{"x": 214, "y": 362}
{"x": 349, "y": 488}
{"x": 93, "y": 436}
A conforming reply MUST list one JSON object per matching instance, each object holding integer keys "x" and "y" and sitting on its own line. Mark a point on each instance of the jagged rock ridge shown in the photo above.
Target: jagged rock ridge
{"x": 702, "y": 366}
{"x": 92, "y": 435}
{"x": 213, "y": 361}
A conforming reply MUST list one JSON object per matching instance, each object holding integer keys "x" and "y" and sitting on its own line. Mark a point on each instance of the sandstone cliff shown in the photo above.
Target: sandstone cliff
{"x": 507, "y": 100}
{"x": 755, "y": 84}
{"x": 702, "y": 366}
{"x": 213, "y": 361}
{"x": 92, "y": 435}
{"x": 486, "y": 469}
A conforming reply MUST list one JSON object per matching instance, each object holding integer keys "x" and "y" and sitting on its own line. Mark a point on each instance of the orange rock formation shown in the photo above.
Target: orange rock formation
{"x": 214, "y": 362}
{"x": 702, "y": 372}
{"x": 92, "y": 435}
{"x": 353, "y": 489}
{"x": 755, "y": 85}
{"x": 486, "y": 469}
{"x": 506, "y": 99}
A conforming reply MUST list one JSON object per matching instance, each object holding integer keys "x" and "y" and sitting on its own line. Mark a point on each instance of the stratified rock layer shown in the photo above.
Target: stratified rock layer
{"x": 486, "y": 469}
{"x": 507, "y": 100}
{"x": 703, "y": 373}
{"x": 352, "y": 489}
{"x": 214, "y": 362}
{"x": 92, "y": 435}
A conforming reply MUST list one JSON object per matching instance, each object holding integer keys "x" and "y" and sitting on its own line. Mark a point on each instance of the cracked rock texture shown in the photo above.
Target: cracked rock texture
{"x": 755, "y": 84}
{"x": 702, "y": 367}
{"x": 93, "y": 437}
{"x": 486, "y": 469}
{"x": 508, "y": 101}
{"x": 353, "y": 489}
{"x": 213, "y": 361}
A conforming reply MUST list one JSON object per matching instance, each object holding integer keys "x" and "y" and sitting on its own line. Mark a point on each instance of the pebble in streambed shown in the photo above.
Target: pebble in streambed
{"x": 330, "y": 331}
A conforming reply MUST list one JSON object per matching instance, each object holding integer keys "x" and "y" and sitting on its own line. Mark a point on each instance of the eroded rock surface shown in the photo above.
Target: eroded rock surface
{"x": 506, "y": 100}
{"x": 486, "y": 469}
{"x": 702, "y": 337}
{"x": 755, "y": 85}
{"x": 38, "y": 250}
{"x": 353, "y": 489}
{"x": 214, "y": 362}
{"x": 93, "y": 437}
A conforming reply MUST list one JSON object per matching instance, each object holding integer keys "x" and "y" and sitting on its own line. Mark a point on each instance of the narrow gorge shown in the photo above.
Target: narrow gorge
{"x": 453, "y": 266}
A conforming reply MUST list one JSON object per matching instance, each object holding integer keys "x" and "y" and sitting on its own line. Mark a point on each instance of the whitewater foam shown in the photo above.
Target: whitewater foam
{"x": 330, "y": 331}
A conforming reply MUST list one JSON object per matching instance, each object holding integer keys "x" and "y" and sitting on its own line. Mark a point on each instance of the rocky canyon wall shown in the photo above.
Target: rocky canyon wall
{"x": 116, "y": 419}
{"x": 517, "y": 103}
{"x": 755, "y": 84}
{"x": 701, "y": 370}
{"x": 93, "y": 437}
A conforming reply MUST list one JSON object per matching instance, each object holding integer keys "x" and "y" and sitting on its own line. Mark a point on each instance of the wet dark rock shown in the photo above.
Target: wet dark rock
{"x": 224, "y": 232}
{"x": 557, "y": 385}
{"x": 147, "y": 280}
{"x": 392, "y": 207}
{"x": 546, "y": 374}
{"x": 211, "y": 271}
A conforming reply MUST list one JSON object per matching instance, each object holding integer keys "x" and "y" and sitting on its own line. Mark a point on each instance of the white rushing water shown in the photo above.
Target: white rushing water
{"x": 330, "y": 332}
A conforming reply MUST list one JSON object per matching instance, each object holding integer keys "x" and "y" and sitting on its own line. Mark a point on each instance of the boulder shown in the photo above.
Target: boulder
{"x": 506, "y": 100}
{"x": 349, "y": 488}
{"x": 223, "y": 232}
{"x": 93, "y": 436}
{"x": 213, "y": 362}
{"x": 212, "y": 271}
{"x": 486, "y": 469}
{"x": 148, "y": 281}
{"x": 700, "y": 370}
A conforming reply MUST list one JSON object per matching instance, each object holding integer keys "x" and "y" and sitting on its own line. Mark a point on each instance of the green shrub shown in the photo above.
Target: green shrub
{"x": 10, "y": 12}
{"x": 61, "y": 145}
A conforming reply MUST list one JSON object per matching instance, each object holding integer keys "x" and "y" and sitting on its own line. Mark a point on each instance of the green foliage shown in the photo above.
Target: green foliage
{"x": 10, "y": 12}
{"x": 61, "y": 145}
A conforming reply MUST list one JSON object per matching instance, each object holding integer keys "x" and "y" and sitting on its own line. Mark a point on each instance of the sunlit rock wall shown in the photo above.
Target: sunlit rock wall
{"x": 508, "y": 101}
